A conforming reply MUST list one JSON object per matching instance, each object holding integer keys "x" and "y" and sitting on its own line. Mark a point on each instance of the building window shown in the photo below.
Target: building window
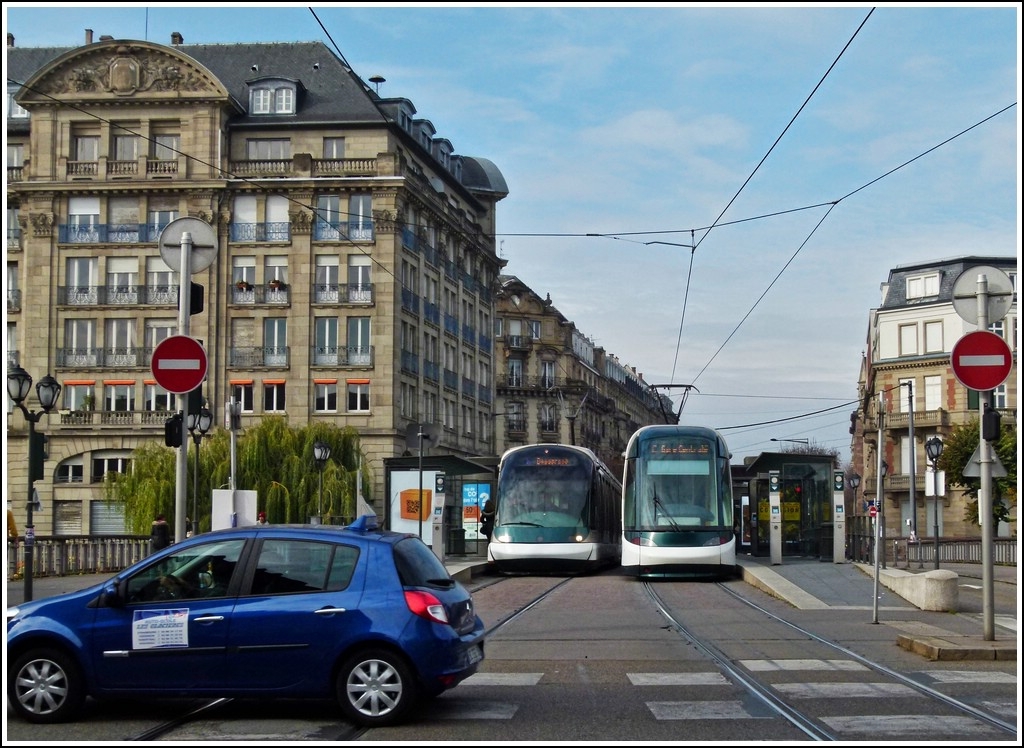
{"x": 243, "y": 394}
{"x": 126, "y": 148}
{"x": 933, "y": 342}
{"x": 86, "y": 148}
{"x": 14, "y": 109}
{"x": 243, "y": 271}
{"x": 79, "y": 397}
{"x": 533, "y": 326}
{"x": 268, "y": 148}
{"x": 273, "y": 397}
{"x": 908, "y": 340}
{"x": 266, "y": 99}
{"x": 547, "y": 374}
{"x": 161, "y": 211}
{"x": 407, "y": 400}
{"x": 103, "y": 465}
{"x": 334, "y": 148}
{"x": 999, "y": 397}
{"x": 922, "y": 286}
{"x": 119, "y": 398}
{"x": 275, "y": 267}
{"x": 166, "y": 147}
{"x": 515, "y": 372}
{"x": 358, "y": 396}
{"x": 358, "y": 341}
{"x": 325, "y": 397}
{"x": 158, "y": 400}
{"x": 932, "y": 393}
{"x": 905, "y": 393}
{"x": 70, "y": 472}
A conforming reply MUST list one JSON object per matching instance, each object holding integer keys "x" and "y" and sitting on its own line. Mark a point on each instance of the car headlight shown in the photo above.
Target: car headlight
{"x": 12, "y": 613}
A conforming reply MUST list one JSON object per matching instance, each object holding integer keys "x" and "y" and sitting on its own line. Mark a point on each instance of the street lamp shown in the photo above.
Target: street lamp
{"x": 321, "y": 454}
{"x": 19, "y": 384}
{"x": 797, "y": 441}
{"x": 933, "y": 448}
{"x": 198, "y": 424}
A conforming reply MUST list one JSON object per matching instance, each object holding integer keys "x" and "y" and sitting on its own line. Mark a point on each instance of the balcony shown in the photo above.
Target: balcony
{"x": 356, "y": 231}
{"x": 155, "y": 295}
{"x": 922, "y": 418}
{"x": 121, "y": 419}
{"x": 273, "y": 293}
{"x": 260, "y": 232}
{"x": 353, "y": 293}
{"x": 260, "y": 357}
{"x": 335, "y": 356}
{"x": 118, "y": 357}
{"x": 112, "y": 233}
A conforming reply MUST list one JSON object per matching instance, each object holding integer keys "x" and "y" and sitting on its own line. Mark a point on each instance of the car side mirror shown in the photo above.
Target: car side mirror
{"x": 111, "y": 596}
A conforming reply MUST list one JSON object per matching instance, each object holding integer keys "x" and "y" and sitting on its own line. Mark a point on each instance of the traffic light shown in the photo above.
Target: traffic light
{"x": 172, "y": 431}
{"x": 196, "y": 298}
{"x": 38, "y": 451}
{"x": 991, "y": 422}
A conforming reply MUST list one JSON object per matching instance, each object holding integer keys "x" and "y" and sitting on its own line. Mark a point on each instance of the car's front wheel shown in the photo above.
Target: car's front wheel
{"x": 45, "y": 686}
{"x": 376, "y": 688}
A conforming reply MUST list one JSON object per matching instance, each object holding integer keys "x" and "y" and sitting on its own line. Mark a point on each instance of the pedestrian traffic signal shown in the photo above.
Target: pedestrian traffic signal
{"x": 196, "y": 298}
{"x": 991, "y": 421}
{"x": 172, "y": 431}
{"x": 38, "y": 451}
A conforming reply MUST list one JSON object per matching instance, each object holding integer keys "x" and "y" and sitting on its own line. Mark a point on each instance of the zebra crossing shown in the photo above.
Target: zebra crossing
{"x": 904, "y": 726}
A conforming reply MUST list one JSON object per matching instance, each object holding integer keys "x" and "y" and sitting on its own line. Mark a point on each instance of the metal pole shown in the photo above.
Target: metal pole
{"x": 320, "y": 500}
{"x": 935, "y": 484}
{"x": 181, "y": 467}
{"x": 880, "y": 527}
{"x": 197, "y": 437}
{"x": 30, "y": 530}
{"x": 913, "y": 477}
{"x": 985, "y": 490}
{"x": 419, "y": 503}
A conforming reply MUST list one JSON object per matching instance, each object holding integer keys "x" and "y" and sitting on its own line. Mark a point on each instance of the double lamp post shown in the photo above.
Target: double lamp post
{"x": 19, "y": 384}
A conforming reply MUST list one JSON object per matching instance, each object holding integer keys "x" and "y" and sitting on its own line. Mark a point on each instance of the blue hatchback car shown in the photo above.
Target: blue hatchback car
{"x": 370, "y": 618}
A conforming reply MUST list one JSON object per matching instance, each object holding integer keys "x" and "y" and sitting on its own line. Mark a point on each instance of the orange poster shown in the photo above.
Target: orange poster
{"x": 410, "y": 502}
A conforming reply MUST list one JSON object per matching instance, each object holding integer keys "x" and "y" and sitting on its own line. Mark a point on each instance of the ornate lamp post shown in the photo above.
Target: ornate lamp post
{"x": 321, "y": 454}
{"x": 933, "y": 448}
{"x": 198, "y": 424}
{"x": 19, "y": 384}
{"x": 854, "y": 481}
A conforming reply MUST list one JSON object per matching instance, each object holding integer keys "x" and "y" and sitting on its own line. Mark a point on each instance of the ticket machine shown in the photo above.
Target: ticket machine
{"x": 775, "y": 516}
{"x": 438, "y": 536}
{"x": 838, "y": 518}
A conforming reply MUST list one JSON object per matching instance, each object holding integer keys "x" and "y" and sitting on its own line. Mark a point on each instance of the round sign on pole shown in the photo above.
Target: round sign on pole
{"x": 204, "y": 244}
{"x": 981, "y": 360}
{"x": 179, "y": 364}
{"x": 873, "y": 511}
{"x": 965, "y": 293}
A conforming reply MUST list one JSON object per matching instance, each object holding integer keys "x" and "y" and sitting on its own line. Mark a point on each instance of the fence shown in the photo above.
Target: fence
{"x": 900, "y": 551}
{"x": 77, "y": 554}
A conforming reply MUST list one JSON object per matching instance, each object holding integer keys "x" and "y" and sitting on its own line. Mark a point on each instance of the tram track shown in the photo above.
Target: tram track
{"x": 789, "y": 709}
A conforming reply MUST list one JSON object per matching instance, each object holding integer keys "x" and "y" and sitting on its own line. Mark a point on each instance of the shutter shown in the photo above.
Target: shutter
{"x": 106, "y": 518}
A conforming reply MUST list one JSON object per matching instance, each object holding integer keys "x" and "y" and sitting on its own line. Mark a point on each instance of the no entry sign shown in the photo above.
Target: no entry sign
{"x": 179, "y": 364}
{"x": 981, "y": 360}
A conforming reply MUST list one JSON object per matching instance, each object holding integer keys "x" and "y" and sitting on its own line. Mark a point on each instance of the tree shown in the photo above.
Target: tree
{"x": 812, "y": 448}
{"x": 273, "y": 459}
{"x": 958, "y": 448}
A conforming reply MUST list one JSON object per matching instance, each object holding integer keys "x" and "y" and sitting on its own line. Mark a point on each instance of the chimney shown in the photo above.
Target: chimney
{"x": 177, "y": 38}
{"x": 10, "y": 39}
{"x": 88, "y": 36}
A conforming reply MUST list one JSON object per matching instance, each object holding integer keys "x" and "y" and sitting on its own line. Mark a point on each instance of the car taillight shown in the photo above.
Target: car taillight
{"x": 426, "y": 606}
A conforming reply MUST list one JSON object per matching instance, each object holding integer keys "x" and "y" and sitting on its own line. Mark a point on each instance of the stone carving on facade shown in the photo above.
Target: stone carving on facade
{"x": 384, "y": 221}
{"x": 129, "y": 70}
{"x": 302, "y": 221}
{"x": 42, "y": 224}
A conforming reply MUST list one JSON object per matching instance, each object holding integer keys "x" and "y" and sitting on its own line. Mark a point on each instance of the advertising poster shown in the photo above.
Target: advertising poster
{"x": 408, "y": 512}
{"x": 474, "y": 495}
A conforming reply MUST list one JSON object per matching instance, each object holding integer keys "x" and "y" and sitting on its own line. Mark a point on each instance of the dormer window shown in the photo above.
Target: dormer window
{"x": 14, "y": 109}
{"x": 272, "y": 97}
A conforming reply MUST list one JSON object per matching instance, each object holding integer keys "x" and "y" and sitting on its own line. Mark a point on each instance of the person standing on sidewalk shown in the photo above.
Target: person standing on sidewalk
{"x": 12, "y": 544}
{"x": 159, "y": 534}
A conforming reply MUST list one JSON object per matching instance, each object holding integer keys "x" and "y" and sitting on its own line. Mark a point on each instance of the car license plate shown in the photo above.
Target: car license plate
{"x": 474, "y": 654}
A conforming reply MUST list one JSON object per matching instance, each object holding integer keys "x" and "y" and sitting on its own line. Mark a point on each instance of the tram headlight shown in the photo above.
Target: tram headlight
{"x": 503, "y": 538}
{"x": 579, "y": 538}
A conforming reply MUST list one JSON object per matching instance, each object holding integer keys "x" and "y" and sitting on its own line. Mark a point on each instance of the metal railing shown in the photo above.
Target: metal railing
{"x": 77, "y": 554}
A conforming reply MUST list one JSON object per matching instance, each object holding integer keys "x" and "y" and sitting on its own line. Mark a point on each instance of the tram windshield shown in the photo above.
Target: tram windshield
{"x": 674, "y": 485}
{"x": 544, "y": 493}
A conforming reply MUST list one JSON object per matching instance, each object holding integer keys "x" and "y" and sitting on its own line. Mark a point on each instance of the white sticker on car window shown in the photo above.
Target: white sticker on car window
{"x": 152, "y": 629}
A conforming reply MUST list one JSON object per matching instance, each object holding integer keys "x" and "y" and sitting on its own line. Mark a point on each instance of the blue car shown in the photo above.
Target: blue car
{"x": 370, "y": 618}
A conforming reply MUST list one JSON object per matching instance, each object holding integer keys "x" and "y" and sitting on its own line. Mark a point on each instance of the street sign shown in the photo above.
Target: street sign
{"x": 204, "y": 244}
{"x": 981, "y": 360}
{"x": 965, "y": 293}
{"x": 873, "y": 511}
{"x": 179, "y": 364}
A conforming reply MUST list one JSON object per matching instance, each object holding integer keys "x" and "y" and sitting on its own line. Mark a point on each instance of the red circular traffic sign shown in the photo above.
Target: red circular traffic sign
{"x": 179, "y": 364}
{"x": 873, "y": 511}
{"x": 981, "y": 360}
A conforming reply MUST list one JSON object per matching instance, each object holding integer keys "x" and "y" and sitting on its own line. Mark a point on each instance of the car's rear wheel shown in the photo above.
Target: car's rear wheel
{"x": 45, "y": 686}
{"x": 376, "y": 688}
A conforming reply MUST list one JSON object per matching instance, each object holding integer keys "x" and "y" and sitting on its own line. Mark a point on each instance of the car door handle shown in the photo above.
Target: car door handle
{"x": 207, "y": 619}
{"x": 329, "y": 611}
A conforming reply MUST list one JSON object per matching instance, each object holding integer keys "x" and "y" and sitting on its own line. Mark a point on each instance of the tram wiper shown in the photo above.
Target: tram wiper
{"x": 664, "y": 511}
{"x": 520, "y": 524}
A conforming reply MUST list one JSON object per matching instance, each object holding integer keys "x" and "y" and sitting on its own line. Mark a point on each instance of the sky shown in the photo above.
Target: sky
{"x": 713, "y": 193}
